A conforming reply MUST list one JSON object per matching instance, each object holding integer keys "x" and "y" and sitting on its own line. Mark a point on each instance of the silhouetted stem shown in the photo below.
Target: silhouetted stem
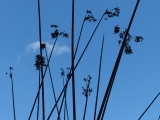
{"x": 159, "y": 117}
{"x": 64, "y": 88}
{"x": 65, "y": 102}
{"x": 61, "y": 105}
{"x": 40, "y": 42}
{"x": 38, "y": 97}
{"x": 51, "y": 81}
{"x": 84, "y": 115}
{"x": 67, "y": 111}
{"x": 14, "y": 111}
{"x": 108, "y": 90}
{"x": 85, "y": 108}
{"x": 79, "y": 39}
{"x": 41, "y": 82}
{"x": 89, "y": 41}
{"x": 99, "y": 75}
{"x": 75, "y": 67}
{"x": 149, "y": 106}
{"x": 72, "y": 68}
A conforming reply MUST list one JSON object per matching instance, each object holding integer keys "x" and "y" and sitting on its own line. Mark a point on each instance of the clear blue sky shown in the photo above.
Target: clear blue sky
{"x": 137, "y": 81}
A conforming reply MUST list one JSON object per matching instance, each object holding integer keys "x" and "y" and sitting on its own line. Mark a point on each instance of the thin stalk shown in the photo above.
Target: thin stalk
{"x": 72, "y": 60}
{"x": 65, "y": 102}
{"x": 149, "y": 106}
{"x": 75, "y": 67}
{"x": 70, "y": 72}
{"x": 41, "y": 82}
{"x": 79, "y": 39}
{"x": 14, "y": 111}
{"x": 85, "y": 108}
{"x": 108, "y": 90}
{"x": 66, "y": 108}
{"x": 99, "y": 75}
{"x": 51, "y": 80}
{"x": 38, "y": 97}
{"x": 64, "y": 88}
{"x": 40, "y": 42}
{"x": 59, "y": 112}
{"x": 84, "y": 115}
{"x": 67, "y": 112}
{"x": 89, "y": 41}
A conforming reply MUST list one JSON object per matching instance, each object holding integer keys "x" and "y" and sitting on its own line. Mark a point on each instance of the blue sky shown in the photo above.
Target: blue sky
{"x": 137, "y": 80}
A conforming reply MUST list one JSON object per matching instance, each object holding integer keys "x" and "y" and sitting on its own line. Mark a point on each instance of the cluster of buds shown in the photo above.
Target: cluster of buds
{"x": 57, "y": 33}
{"x": 39, "y": 60}
{"x": 11, "y": 68}
{"x": 89, "y": 17}
{"x": 112, "y": 13}
{"x": 63, "y": 73}
{"x": 128, "y": 49}
{"x": 87, "y": 91}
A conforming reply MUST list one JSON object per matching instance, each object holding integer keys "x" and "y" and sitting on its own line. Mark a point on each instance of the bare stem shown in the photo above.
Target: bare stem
{"x": 99, "y": 75}
{"x": 109, "y": 88}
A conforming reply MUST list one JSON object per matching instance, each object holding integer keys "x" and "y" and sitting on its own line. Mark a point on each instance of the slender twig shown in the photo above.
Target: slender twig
{"x": 14, "y": 111}
{"x": 149, "y": 106}
{"x": 85, "y": 108}
{"x": 75, "y": 67}
{"x": 72, "y": 68}
{"x": 65, "y": 102}
{"x": 64, "y": 88}
{"x": 89, "y": 41}
{"x": 84, "y": 115}
{"x": 70, "y": 71}
{"x": 40, "y": 42}
{"x": 38, "y": 97}
{"x": 65, "y": 106}
{"x": 51, "y": 81}
{"x": 59, "y": 112}
{"x": 43, "y": 78}
{"x": 67, "y": 111}
{"x": 79, "y": 39}
{"x": 99, "y": 75}
{"x": 86, "y": 92}
{"x": 108, "y": 90}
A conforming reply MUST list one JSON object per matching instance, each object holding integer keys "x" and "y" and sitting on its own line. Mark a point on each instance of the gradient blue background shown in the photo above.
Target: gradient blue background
{"x": 137, "y": 81}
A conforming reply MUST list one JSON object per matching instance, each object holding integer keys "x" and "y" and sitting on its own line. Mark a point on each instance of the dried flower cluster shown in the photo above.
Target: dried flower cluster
{"x": 112, "y": 13}
{"x": 89, "y": 17}
{"x": 128, "y": 49}
{"x": 87, "y": 91}
{"x": 57, "y": 33}
{"x": 63, "y": 72}
{"x": 39, "y": 60}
